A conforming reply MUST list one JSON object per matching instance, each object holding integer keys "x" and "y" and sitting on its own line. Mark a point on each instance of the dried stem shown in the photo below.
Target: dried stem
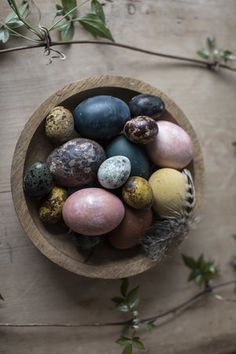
{"x": 173, "y": 310}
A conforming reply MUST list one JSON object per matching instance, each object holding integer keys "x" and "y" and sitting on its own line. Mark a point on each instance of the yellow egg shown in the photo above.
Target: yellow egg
{"x": 50, "y": 211}
{"x": 170, "y": 189}
{"x": 137, "y": 193}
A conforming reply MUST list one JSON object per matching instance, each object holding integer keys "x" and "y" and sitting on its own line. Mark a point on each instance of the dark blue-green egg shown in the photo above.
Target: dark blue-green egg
{"x": 101, "y": 117}
{"x": 146, "y": 105}
{"x": 38, "y": 180}
{"x": 140, "y": 165}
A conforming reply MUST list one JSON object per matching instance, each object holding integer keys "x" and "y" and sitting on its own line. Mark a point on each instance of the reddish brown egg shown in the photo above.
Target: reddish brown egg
{"x": 132, "y": 228}
{"x": 93, "y": 211}
{"x": 141, "y": 130}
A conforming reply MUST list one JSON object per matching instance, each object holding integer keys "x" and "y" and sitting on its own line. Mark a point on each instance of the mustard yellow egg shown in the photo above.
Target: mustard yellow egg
{"x": 137, "y": 193}
{"x": 50, "y": 211}
{"x": 169, "y": 188}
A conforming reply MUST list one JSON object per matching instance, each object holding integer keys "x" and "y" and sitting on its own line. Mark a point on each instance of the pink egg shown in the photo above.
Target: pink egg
{"x": 93, "y": 211}
{"x": 172, "y": 147}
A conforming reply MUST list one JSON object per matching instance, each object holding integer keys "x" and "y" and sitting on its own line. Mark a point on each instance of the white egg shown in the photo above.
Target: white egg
{"x": 114, "y": 172}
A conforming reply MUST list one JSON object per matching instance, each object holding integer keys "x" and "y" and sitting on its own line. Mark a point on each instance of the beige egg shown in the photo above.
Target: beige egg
{"x": 170, "y": 190}
{"x": 59, "y": 126}
{"x": 50, "y": 211}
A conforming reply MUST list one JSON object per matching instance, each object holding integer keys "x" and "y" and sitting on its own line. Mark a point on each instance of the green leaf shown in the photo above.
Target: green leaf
{"x": 133, "y": 297}
{"x": 151, "y": 326}
{"x": 97, "y": 8}
{"x": 124, "y": 286}
{"x": 4, "y": 34}
{"x": 68, "y": 5}
{"x": 211, "y": 43}
{"x": 123, "y": 308}
{"x": 1, "y": 297}
{"x": 128, "y": 349}
{"x": 117, "y": 299}
{"x": 138, "y": 343}
{"x": 66, "y": 31}
{"x": 93, "y": 24}
{"x": 227, "y": 54}
{"x": 12, "y": 19}
{"x": 189, "y": 261}
{"x": 123, "y": 341}
{"x": 203, "y": 53}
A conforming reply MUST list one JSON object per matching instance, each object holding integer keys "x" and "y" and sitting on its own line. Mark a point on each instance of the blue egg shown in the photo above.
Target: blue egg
{"x": 140, "y": 165}
{"x": 101, "y": 117}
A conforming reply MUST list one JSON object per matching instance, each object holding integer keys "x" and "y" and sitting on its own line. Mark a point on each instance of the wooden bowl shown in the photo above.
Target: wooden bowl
{"x": 105, "y": 262}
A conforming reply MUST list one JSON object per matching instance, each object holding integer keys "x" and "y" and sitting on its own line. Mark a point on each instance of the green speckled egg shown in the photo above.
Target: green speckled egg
{"x": 50, "y": 211}
{"x": 137, "y": 193}
{"x": 59, "y": 126}
{"x": 38, "y": 180}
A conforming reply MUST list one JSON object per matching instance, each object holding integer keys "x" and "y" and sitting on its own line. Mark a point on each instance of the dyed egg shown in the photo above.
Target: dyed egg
{"x": 50, "y": 211}
{"x": 38, "y": 180}
{"x": 75, "y": 163}
{"x": 101, "y": 117}
{"x": 137, "y": 193}
{"x": 169, "y": 188}
{"x": 114, "y": 172}
{"x": 172, "y": 147}
{"x": 141, "y": 130}
{"x": 131, "y": 229}
{"x": 93, "y": 211}
{"x": 59, "y": 126}
{"x": 85, "y": 243}
{"x": 140, "y": 165}
{"x": 146, "y": 105}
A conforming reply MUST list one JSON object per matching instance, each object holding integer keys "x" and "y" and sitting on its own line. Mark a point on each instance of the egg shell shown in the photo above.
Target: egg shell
{"x": 93, "y": 211}
{"x": 85, "y": 243}
{"x": 172, "y": 147}
{"x": 147, "y": 105}
{"x": 169, "y": 190}
{"x": 75, "y": 164}
{"x": 140, "y": 165}
{"x": 114, "y": 172}
{"x": 38, "y": 180}
{"x": 50, "y": 211}
{"x": 132, "y": 228}
{"x": 101, "y": 117}
{"x": 141, "y": 130}
{"x": 59, "y": 125}
{"x": 137, "y": 193}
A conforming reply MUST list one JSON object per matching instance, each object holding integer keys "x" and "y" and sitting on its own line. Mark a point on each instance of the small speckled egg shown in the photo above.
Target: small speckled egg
{"x": 59, "y": 125}
{"x": 146, "y": 105}
{"x": 169, "y": 188}
{"x": 75, "y": 164}
{"x": 38, "y": 180}
{"x": 93, "y": 211}
{"x": 114, "y": 172}
{"x": 131, "y": 229}
{"x": 137, "y": 193}
{"x": 141, "y": 130}
{"x": 50, "y": 211}
{"x": 172, "y": 147}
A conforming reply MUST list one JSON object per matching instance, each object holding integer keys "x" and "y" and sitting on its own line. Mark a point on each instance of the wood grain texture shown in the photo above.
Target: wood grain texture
{"x": 35, "y": 289}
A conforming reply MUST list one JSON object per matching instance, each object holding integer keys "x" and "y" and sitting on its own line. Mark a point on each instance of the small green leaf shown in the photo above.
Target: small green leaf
{"x": 97, "y": 8}
{"x": 66, "y": 31}
{"x": 133, "y": 298}
{"x": 211, "y": 43}
{"x": 117, "y": 299}
{"x": 123, "y": 308}
{"x": 189, "y": 261}
{"x": 59, "y": 7}
{"x": 93, "y": 24}
{"x": 4, "y": 35}
{"x": 124, "y": 286}
{"x": 203, "y": 53}
{"x": 123, "y": 341}
{"x": 151, "y": 326}
{"x": 1, "y": 297}
{"x": 128, "y": 349}
{"x": 12, "y": 19}
{"x": 227, "y": 54}
{"x": 68, "y": 5}
{"x": 138, "y": 343}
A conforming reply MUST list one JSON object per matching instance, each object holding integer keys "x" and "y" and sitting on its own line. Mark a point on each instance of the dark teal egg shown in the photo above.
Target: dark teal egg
{"x": 140, "y": 165}
{"x": 147, "y": 105}
{"x": 38, "y": 180}
{"x": 101, "y": 117}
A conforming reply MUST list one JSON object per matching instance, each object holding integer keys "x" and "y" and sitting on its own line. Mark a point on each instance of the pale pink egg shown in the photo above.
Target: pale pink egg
{"x": 172, "y": 147}
{"x": 93, "y": 211}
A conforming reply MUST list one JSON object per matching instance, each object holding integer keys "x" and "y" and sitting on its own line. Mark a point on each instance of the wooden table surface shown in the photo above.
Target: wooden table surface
{"x": 36, "y": 290}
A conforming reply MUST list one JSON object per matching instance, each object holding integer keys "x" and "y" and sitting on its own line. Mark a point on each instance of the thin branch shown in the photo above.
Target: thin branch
{"x": 173, "y": 310}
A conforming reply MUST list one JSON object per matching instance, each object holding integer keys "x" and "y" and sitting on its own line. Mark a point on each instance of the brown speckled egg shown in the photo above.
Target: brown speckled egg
{"x": 75, "y": 163}
{"x": 141, "y": 130}
{"x": 172, "y": 147}
{"x": 137, "y": 193}
{"x": 93, "y": 211}
{"x": 50, "y": 211}
{"x": 59, "y": 125}
{"x": 132, "y": 228}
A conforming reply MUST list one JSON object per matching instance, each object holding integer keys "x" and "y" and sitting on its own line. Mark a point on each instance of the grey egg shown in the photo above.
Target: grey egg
{"x": 38, "y": 180}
